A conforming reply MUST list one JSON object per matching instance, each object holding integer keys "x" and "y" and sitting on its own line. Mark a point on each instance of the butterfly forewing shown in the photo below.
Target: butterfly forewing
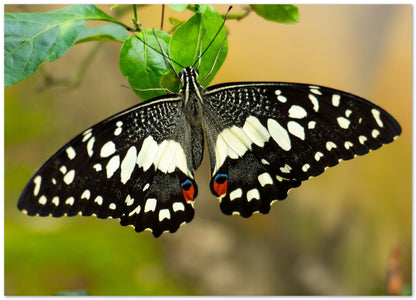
{"x": 133, "y": 166}
{"x": 268, "y": 137}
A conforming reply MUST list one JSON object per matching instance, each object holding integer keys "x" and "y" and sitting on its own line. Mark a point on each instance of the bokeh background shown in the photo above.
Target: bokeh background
{"x": 346, "y": 232}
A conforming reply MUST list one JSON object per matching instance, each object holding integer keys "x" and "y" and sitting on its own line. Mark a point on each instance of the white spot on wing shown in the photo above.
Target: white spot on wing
{"x": 70, "y": 201}
{"x": 86, "y": 195}
{"x": 70, "y": 152}
{"x": 336, "y": 99}
{"x": 135, "y": 211}
{"x": 279, "y": 134}
{"x": 236, "y": 194}
{"x": 348, "y": 145}
{"x": 177, "y": 206}
{"x": 264, "y": 162}
{"x": 286, "y": 169}
{"x": 348, "y": 113}
{"x": 315, "y": 90}
{"x": 297, "y": 112}
{"x": 107, "y": 149}
{"x": 129, "y": 200}
{"x": 118, "y": 131}
{"x": 150, "y": 205}
{"x": 296, "y": 129}
{"x": 330, "y": 145}
{"x": 318, "y": 155}
{"x": 97, "y": 167}
{"x": 171, "y": 156}
{"x": 128, "y": 164}
{"x": 311, "y": 124}
{"x": 166, "y": 157}
{"x": 375, "y": 133}
{"x": 42, "y": 200}
{"x": 99, "y": 200}
{"x": 55, "y": 200}
{"x": 314, "y": 101}
{"x": 343, "y": 122}
{"x": 112, "y": 165}
{"x": 146, "y": 187}
{"x": 257, "y": 133}
{"x": 63, "y": 169}
{"x": 362, "y": 139}
{"x": 69, "y": 177}
{"x": 265, "y": 179}
{"x": 112, "y": 206}
{"x": 306, "y": 167}
{"x": 253, "y": 194}
{"x": 86, "y": 134}
{"x": 147, "y": 153}
{"x": 90, "y": 146}
{"x": 37, "y": 180}
{"x": 164, "y": 214}
{"x": 376, "y": 115}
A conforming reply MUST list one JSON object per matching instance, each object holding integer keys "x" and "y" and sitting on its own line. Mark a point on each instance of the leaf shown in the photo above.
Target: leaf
{"x": 146, "y": 68}
{"x": 175, "y": 23}
{"x": 111, "y": 32}
{"x": 185, "y": 45}
{"x": 32, "y": 38}
{"x": 178, "y": 7}
{"x": 282, "y": 13}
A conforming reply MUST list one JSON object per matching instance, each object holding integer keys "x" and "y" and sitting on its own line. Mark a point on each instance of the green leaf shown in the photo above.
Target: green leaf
{"x": 185, "y": 45}
{"x": 146, "y": 68}
{"x": 178, "y": 7}
{"x": 111, "y": 32}
{"x": 175, "y": 23}
{"x": 282, "y": 13}
{"x": 32, "y": 38}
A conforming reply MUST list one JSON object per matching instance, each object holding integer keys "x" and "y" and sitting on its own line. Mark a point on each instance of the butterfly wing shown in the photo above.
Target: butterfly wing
{"x": 135, "y": 166}
{"x": 266, "y": 138}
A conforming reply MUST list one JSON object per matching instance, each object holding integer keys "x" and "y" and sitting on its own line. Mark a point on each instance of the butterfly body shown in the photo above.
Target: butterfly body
{"x": 263, "y": 139}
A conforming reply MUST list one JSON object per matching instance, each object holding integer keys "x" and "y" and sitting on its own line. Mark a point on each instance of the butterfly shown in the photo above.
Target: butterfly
{"x": 263, "y": 139}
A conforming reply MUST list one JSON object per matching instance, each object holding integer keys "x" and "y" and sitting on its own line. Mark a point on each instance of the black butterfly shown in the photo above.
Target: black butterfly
{"x": 263, "y": 138}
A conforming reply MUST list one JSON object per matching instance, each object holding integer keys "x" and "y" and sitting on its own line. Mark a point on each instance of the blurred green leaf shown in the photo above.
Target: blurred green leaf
{"x": 201, "y": 8}
{"x": 175, "y": 23}
{"x": 111, "y": 32}
{"x": 178, "y": 7}
{"x": 32, "y": 38}
{"x": 281, "y": 13}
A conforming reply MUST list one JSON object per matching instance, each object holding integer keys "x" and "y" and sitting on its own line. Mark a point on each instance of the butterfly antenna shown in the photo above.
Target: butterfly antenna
{"x": 215, "y": 61}
{"x": 162, "y": 52}
{"x": 167, "y": 56}
{"x": 200, "y": 49}
{"x": 218, "y": 32}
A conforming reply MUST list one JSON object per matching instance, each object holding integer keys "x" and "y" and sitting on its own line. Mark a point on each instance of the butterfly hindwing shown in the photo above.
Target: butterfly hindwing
{"x": 136, "y": 166}
{"x": 268, "y": 137}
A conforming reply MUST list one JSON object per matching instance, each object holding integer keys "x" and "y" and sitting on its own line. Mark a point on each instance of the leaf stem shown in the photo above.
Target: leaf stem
{"x": 134, "y": 20}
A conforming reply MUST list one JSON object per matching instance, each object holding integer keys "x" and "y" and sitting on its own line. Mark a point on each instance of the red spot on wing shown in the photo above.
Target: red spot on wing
{"x": 220, "y": 188}
{"x": 189, "y": 194}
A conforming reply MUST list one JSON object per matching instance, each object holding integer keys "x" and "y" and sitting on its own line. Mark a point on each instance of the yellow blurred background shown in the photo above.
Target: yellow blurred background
{"x": 338, "y": 234}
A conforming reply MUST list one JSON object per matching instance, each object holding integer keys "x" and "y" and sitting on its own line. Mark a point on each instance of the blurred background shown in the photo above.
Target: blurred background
{"x": 346, "y": 232}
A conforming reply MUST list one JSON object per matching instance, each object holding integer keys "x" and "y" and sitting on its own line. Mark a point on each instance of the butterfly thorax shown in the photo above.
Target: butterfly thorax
{"x": 192, "y": 94}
